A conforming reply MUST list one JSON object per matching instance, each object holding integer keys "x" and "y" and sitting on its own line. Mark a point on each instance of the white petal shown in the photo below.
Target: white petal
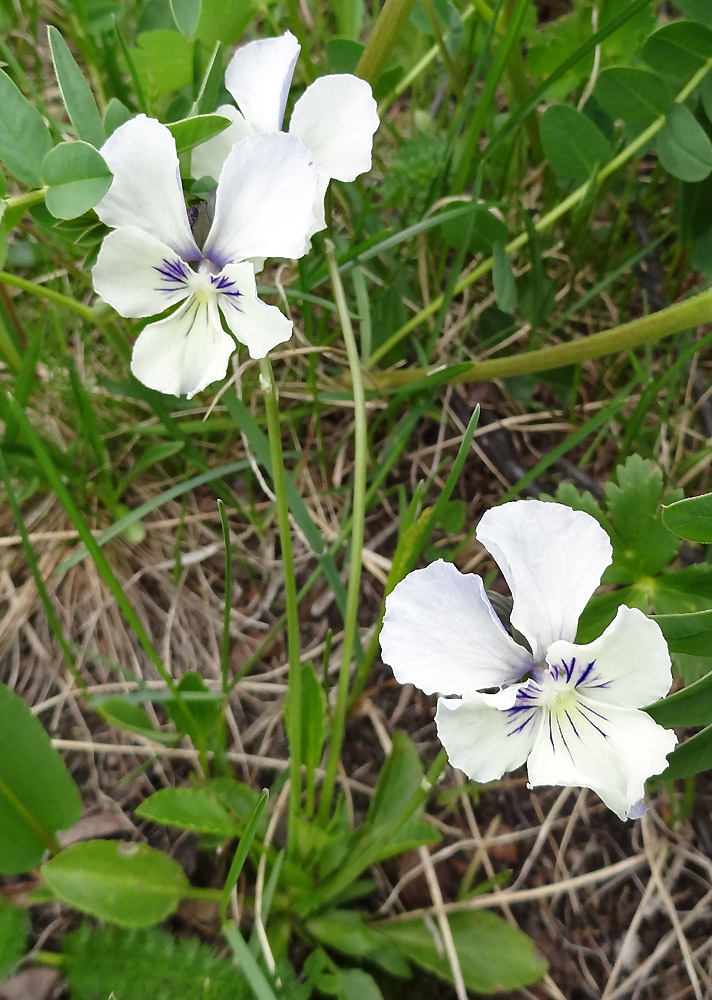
{"x": 183, "y": 353}
{"x": 207, "y": 159}
{"x": 259, "y": 76}
{"x": 259, "y": 326}
{"x": 441, "y": 634}
{"x": 609, "y": 749}
{"x": 138, "y": 275}
{"x": 628, "y": 666}
{"x": 264, "y": 199}
{"x": 552, "y": 557}
{"x": 336, "y": 118}
{"x": 146, "y": 189}
{"x": 480, "y": 738}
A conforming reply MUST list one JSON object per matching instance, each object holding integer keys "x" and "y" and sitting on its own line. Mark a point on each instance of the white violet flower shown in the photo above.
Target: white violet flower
{"x": 572, "y": 712}
{"x": 335, "y": 117}
{"x": 152, "y": 261}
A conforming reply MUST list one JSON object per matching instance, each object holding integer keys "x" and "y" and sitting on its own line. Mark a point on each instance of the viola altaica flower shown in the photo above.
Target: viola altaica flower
{"x": 335, "y": 117}
{"x": 153, "y": 261}
{"x": 571, "y": 711}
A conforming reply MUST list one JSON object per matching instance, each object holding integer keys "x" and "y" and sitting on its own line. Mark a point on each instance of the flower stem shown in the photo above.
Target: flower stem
{"x": 294, "y": 729}
{"x": 545, "y": 222}
{"x": 393, "y": 16}
{"x": 664, "y": 323}
{"x": 358, "y": 516}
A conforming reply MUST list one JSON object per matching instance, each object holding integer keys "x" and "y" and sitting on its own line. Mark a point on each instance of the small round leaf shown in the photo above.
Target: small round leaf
{"x": 683, "y": 146}
{"x": 77, "y": 177}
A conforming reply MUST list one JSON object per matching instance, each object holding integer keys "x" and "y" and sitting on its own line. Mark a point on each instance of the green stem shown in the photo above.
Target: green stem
{"x": 647, "y": 329}
{"x": 26, "y": 200}
{"x": 86, "y": 312}
{"x": 545, "y": 222}
{"x": 358, "y": 516}
{"x": 294, "y": 730}
{"x": 440, "y": 42}
{"x": 389, "y": 25}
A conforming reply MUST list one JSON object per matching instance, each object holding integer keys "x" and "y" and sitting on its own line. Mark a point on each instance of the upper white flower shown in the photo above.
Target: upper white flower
{"x": 335, "y": 117}
{"x": 263, "y": 208}
{"x": 576, "y": 718}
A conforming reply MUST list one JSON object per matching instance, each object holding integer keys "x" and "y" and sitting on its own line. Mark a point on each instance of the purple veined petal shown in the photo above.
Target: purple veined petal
{"x": 138, "y": 275}
{"x": 609, "y": 749}
{"x": 336, "y": 119}
{"x": 186, "y": 351}
{"x": 441, "y": 634}
{"x": 481, "y": 736}
{"x": 256, "y": 325}
{"x": 264, "y": 200}
{"x": 259, "y": 76}
{"x": 628, "y": 666}
{"x": 146, "y": 190}
{"x": 552, "y": 558}
{"x": 207, "y": 159}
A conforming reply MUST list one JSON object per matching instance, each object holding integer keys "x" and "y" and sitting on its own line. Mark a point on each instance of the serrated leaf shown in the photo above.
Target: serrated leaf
{"x": 573, "y": 145}
{"x": 24, "y": 137}
{"x": 37, "y": 794}
{"x": 129, "y": 884}
{"x": 190, "y": 132}
{"x": 691, "y": 518}
{"x": 76, "y": 92}
{"x": 493, "y": 956}
{"x": 683, "y": 146}
{"x": 189, "y": 809}
{"x": 678, "y": 48}
{"x": 14, "y": 928}
{"x": 77, "y": 178}
{"x": 633, "y": 95}
{"x": 186, "y": 14}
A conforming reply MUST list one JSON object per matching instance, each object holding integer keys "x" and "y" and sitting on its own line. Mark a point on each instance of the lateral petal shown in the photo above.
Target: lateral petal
{"x": 552, "y": 558}
{"x": 138, "y": 275}
{"x": 146, "y": 190}
{"x": 259, "y": 76}
{"x": 336, "y": 119}
{"x": 185, "y": 352}
{"x": 441, "y": 633}
{"x": 255, "y": 324}
{"x": 264, "y": 200}
{"x": 207, "y": 159}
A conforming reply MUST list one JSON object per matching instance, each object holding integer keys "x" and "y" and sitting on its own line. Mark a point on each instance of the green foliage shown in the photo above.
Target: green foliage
{"x": 632, "y": 94}
{"x": 678, "y": 48}
{"x": 24, "y": 137}
{"x": 573, "y": 144}
{"x": 691, "y": 518}
{"x": 14, "y": 928}
{"x": 683, "y": 146}
{"x": 76, "y": 93}
{"x": 193, "y": 809}
{"x": 186, "y": 14}
{"x": 190, "y": 132}
{"x": 76, "y": 177}
{"x": 37, "y": 794}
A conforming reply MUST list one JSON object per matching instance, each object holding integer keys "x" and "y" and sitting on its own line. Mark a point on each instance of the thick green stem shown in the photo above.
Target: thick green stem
{"x": 647, "y": 329}
{"x": 26, "y": 200}
{"x": 390, "y": 22}
{"x": 545, "y": 222}
{"x": 358, "y": 516}
{"x": 294, "y": 729}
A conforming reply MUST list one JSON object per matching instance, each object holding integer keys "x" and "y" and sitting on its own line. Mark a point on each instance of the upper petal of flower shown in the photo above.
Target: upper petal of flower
{"x": 146, "y": 189}
{"x": 336, "y": 118}
{"x": 207, "y": 158}
{"x": 138, "y": 275}
{"x": 484, "y": 735}
{"x": 264, "y": 200}
{"x": 184, "y": 352}
{"x": 259, "y": 76}
{"x": 441, "y": 633}
{"x": 259, "y": 326}
{"x": 600, "y": 746}
{"x": 628, "y": 666}
{"x": 552, "y": 557}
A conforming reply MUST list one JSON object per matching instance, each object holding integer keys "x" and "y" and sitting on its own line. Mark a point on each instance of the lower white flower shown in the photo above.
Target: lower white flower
{"x": 572, "y": 712}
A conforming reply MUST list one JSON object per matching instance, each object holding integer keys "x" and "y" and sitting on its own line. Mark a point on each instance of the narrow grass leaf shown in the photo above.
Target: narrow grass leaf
{"x": 247, "y": 963}
{"x": 505, "y": 289}
{"x": 76, "y": 92}
{"x": 242, "y": 851}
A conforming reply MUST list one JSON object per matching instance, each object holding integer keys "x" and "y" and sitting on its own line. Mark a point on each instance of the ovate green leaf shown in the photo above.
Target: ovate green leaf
{"x": 691, "y": 757}
{"x": 189, "y": 809}
{"x": 691, "y": 518}
{"x": 24, "y": 137}
{"x": 190, "y": 132}
{"x": 683, "y": 146}
{"x": 696, "y": 10}
{"x": 76, "y": 93}
{"x": 678, "y": 48}
{"x": 186, "y": 14}
{"x": 633, "y": 95}
{"x": 77, "y": 177}
{"x": 573, "y": 145}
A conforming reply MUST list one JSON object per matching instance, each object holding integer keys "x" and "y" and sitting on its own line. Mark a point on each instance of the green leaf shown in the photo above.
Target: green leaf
{"x": 343, "y": 54}
{"x": 683, "y": 146}
{"x": 690, "y": 633}
{"x": 493, "y": 955}
{"x": 190, "y": 132}
{"x": 696, "y": 10}
{"x": 358, "y": 985}
{"x": 163, "y": 61}
{"x": 37, "y": 794}
{"x": 633, "y": 95}
{"x": 76, "y": 93}
{"x": 77, "y": 178}
{"x": 678, "y": 48}
{"x": 573, "y": 145}
{"x": 201, "y": 724}
{"x": 691, "y": 518}
{"x": 14, "y": 928}
{"x": 313, "y": 717}
{"x": 690, "y": 707}
{"x": 189, "y": 809}
{"x": 221, "y": 22}
{"x": 24, "y": 137}
{"x": 3, "y": 185}
{"x": 505, "y": 290}
{"x": 116, "y": 114}
{"x": 186, "y": 14}
{"x": 127, "y": 715}
{"x": 691, "y": 757}
{"x": 128, "y": 884}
